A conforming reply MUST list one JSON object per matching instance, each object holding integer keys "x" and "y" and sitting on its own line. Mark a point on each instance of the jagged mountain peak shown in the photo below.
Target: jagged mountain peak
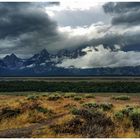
{"x": 11, "y": 57}
{"x": 40, "y": 57}
{"x": 63, "y": 52}
{"x": 12, "y": 61}
{"x": 44, "y": 52}
{"x": 71, "y": 53}
{"x": 45, "y": 63}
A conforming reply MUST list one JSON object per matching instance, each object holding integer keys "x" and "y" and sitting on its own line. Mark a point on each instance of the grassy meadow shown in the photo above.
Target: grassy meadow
{"x": 69, "y": 115}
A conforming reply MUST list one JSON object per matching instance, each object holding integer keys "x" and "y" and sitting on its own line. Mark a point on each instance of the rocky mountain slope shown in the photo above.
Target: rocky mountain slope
{"x": 45, "y": 64}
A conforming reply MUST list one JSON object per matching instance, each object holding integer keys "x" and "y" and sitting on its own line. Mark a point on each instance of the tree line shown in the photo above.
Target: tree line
{"x": 42, "y": 86}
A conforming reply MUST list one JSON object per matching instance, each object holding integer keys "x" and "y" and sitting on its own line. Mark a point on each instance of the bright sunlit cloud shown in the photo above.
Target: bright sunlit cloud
{"x": 74, "y": 5}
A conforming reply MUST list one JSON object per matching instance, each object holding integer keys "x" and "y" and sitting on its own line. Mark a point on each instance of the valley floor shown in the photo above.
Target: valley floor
{"x": 69, "y": 115}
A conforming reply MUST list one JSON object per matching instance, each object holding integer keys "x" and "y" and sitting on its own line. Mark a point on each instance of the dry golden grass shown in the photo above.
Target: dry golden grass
{"x": 47, "y": 113}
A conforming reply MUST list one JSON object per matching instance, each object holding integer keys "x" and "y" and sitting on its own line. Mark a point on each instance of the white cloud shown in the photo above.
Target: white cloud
{"x": 86, "y": 31}
{"x": 77, "y": 13}
{"x": 50, "y": 13}
{"x": 74, "y": 5}
{"x": 8, "y": 42}
{"x": 94, "y": 35}
{"x": 71, "y": 38}
{"x": 103, "y": 57}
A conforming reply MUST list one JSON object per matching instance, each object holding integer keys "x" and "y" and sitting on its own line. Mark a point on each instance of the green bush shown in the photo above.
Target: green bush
{"x": 45, "y": 94}
{"x": 119, "y": 115}
{"x": 91, "y": 105}
{"x": 69, "y": 95}
{"x": 77, "y": 98}
{"x": 135, "y": 117}
{"x": 75, "y": 111}
{"x": 32, "y": 97}
{"x": 133, "y": 113}
{"x": 89, "y": 96}
{"x": 121, "y": 97}
{"x": 106, "y": 106}
{"x": 126, "y": 111}
{"x": 54, "y": 97}
{"x": 83, "y": 112}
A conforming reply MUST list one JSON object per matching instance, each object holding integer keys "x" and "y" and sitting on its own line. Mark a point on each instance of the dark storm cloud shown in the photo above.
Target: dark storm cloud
{"x": 120, "y": 7}
{"x": 25, "y": 27}
{"x": 123, "y": 12}
{"x": 128, "y": 18}
{"x": 19, "y": 18}
{"x": 56, "y": 3}
{"x": 107, "y": 41}
{"x": 124, "y": 40}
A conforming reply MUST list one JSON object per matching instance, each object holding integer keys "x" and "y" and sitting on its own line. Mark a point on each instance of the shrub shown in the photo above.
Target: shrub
{"x": 98, "y": 126}
{"x": 106, "y": 106}
{"x": 121, "y": 97}
{"x": 126, "y": 111}
{"x": 77, "y": 98}
{"x": 132, "y": 113}
{"x": 69, "y": 95}
{"x": 75, "y": 111}
{"x": 88, "y": 124}
{"x": 54, "y": 97}
{"x": 119, "y": 115}
{"x": 82, "y": 112}
{"x": 32, "y": 97}
{"x": 135, "y": 117}
{"x": 72, "y": 127}
{"x": 45, "y": 94}
{"x": 89, "y": 96}
{"x": 91, "y": 105}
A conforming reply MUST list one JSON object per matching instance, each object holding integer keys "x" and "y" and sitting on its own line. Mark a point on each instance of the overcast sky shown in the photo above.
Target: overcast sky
{"x": 110, "y": 30}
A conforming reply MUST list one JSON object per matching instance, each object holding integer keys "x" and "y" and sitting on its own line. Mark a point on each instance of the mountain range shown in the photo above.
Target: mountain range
{"x": 45, "y": 64}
